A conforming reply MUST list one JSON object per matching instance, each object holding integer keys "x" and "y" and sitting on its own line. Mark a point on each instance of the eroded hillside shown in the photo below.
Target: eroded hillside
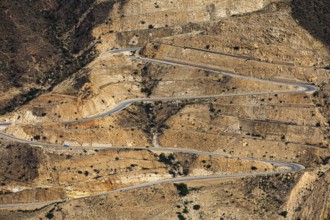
{"x": 234, "y": 90}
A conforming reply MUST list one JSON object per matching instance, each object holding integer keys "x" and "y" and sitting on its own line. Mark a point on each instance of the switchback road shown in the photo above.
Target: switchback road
{"x": 289, "y": 167}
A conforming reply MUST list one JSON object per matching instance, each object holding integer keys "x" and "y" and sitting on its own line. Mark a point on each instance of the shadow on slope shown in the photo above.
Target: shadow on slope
{"x": 44, "y": 42}
{"x": 314, "y": 16}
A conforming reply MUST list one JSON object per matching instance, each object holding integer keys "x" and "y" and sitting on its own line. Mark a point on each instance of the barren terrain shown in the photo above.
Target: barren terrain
{"x": 195, "y": 109}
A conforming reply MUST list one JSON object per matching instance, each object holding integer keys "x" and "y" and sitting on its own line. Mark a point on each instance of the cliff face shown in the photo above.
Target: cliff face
{"x": 317, "y": 202}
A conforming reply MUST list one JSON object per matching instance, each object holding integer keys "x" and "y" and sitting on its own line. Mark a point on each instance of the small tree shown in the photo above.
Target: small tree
{"x": 167, "y": 160}
{"x": 254, "y": 168}
{"x": 181, "y": 217}
{"x": 182, "y": 188}
{"x": 196, "y": 207}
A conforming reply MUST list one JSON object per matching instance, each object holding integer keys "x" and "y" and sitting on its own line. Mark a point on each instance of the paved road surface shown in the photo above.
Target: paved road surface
{"x": 290, "y": 167}
{"x": 300, "y": 87}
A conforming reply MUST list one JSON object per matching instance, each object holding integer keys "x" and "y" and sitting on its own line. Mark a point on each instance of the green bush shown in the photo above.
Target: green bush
{"x": 182, "y": 188}
{"x": 181, "y": 217}
{"x": 196, "y": 207}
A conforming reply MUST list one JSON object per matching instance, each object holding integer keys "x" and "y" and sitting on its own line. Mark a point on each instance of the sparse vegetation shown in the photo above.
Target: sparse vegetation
{"x": 254, "y": 168}
{"x": 47, "y": 51}
{"x": 196, "y": 207}
{"x": 50, "y": 214}
{"x": 284, "y": 214}
{"x": 167, "y": 159}
{"x": 181, "y": 217}
{"x": 182, "y": 188}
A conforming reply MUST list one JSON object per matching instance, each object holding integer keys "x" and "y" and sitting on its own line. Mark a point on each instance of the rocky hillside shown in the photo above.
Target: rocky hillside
{"x": 58, "y": 65}
{"x": 44, "y": 42}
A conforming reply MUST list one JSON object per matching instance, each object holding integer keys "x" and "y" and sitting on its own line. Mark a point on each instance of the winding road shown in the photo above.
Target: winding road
{"x": 290, "y": 167}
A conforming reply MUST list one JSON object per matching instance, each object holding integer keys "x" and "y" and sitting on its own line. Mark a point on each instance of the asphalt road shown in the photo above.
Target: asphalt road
{"x": 300, "y": 87}
{"x": 290, "y": 167}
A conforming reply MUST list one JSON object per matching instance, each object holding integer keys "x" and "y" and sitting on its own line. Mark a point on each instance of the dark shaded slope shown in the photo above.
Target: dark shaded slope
{"x": 43, "y": 42}
{"x": 19, "y": 162}
{"x": 314, "y": 16}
